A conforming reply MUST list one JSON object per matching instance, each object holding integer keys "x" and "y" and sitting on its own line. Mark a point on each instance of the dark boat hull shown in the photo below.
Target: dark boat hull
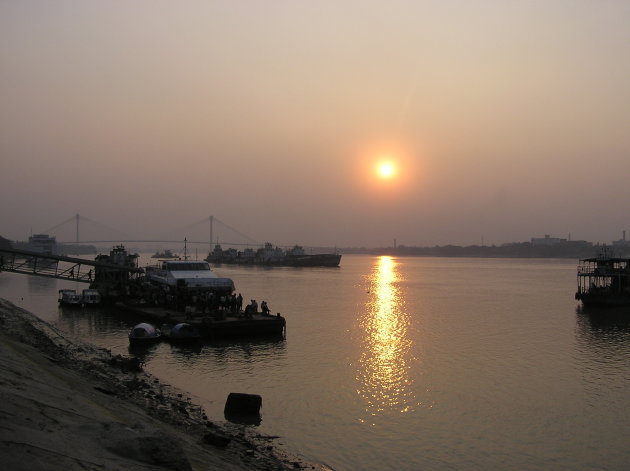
{"x": 70, "y": 305}
{"x": 139, "y": 341}
{"x": 611, "y": 299}
{"x": 318, "y": 260}
{"x": 257, "y": 326}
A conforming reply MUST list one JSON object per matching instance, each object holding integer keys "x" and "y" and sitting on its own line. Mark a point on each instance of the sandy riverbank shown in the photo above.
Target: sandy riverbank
{"x": 66, "y": 405}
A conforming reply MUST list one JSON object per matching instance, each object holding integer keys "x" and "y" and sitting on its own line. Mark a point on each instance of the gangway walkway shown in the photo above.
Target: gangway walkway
{"x": 56, "y": 266}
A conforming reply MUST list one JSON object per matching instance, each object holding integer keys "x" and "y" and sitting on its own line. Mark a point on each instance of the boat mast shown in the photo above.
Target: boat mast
{"x": 211, "y": 220}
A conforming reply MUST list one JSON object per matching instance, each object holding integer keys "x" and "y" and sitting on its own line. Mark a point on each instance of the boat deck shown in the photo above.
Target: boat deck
{"x": 211, "y": 325}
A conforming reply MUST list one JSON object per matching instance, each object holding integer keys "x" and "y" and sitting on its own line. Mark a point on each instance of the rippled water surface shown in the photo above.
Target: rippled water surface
{"x": 407, "y": 363}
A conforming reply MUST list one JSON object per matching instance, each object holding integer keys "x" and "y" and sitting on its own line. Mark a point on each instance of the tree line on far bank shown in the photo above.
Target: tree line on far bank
{"x": 568, "y": 249}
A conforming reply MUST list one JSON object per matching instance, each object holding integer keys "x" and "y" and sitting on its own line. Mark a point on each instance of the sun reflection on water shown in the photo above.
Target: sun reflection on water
{"x": 384, "y": 363}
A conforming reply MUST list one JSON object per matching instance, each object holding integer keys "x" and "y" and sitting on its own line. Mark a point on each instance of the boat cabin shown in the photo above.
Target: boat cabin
{"x": 604, "y": 280}
{"x": 192, "y": 274}
{"x": 69, "y": 297}
{"x": 91, "y": 297}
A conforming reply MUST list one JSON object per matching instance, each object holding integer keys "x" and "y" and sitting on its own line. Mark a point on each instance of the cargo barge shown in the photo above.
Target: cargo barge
{"x": 268, "y": 255}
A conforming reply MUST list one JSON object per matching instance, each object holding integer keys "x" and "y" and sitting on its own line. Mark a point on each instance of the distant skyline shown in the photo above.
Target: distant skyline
{"x": 500, "y": 121}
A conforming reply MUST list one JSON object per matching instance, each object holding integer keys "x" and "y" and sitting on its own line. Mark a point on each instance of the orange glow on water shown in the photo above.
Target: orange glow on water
{"x": 384, "y": 364}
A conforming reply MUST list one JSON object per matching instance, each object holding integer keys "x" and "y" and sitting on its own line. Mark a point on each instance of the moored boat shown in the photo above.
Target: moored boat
{"x": 69, "y": 298}
{"x": 165, "y": 254}
{"x": 90, "y": 297}
{"x": 604, "y": 280}
{"x": 144, "y": 334}
{"x": 180, "y": 333}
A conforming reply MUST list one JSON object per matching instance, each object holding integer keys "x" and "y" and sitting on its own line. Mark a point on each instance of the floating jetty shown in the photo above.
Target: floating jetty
{"x": 217, "y": 324}
{"x": 188, "y": 291}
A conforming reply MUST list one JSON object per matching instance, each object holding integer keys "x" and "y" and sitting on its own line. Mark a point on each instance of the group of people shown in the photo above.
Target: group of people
{"x": 210, "y": 301}
{"x": 252, "y": 308}
{"x": 89, "y": 274}
{"x": 204, "y": 302}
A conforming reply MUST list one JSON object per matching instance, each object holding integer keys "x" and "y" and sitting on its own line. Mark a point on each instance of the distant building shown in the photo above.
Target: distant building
{"x": 622, "y": 242}
{"x": 547, "y": 240}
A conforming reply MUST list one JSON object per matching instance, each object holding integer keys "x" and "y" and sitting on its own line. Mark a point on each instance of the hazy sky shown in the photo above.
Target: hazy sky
{"x": 503, "y": 119}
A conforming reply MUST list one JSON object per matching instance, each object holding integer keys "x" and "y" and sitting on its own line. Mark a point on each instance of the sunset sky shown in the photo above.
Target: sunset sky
{"x": 501, "y": 120}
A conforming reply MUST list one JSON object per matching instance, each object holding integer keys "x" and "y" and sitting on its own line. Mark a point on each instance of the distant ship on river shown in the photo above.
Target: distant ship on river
{"x": 273, "y": 256}
{"x": 166, "y": 254}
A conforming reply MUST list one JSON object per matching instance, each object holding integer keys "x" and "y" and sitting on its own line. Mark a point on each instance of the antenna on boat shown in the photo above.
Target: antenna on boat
{"x": 185, "y": 249}
{"x": 211, "y": 221}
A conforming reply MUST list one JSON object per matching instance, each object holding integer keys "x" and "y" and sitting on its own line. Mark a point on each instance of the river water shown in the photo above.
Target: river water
{"x": 407, "y": 363}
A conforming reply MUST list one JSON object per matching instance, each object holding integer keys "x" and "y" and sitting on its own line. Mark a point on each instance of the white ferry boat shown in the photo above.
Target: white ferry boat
{"x": 42, "y": 243}
{"x": 191, "y": 274}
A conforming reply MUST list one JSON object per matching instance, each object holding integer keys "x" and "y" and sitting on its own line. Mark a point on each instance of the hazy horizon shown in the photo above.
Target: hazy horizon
{"x": 502, "y": 121}
{"x": 103, "y": 238}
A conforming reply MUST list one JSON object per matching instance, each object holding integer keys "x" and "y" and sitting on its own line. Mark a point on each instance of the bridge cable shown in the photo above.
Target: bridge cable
{"x": 73, "y": 218}
{"x": 236, "y": 231}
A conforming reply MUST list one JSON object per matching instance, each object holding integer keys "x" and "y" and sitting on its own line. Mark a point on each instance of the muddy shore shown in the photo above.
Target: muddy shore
{"x": 69, "y": 405}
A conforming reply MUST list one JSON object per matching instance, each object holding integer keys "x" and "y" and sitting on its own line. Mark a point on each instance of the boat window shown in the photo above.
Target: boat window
{"x": 175, "y": 266}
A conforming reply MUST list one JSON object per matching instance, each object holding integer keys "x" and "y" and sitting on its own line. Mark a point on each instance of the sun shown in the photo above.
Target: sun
{"x": 386, "y": 170}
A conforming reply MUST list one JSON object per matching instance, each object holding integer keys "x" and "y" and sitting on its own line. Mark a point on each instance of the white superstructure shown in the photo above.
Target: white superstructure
{"x": 188, "y": 273}
{"x": 43, "y": 244}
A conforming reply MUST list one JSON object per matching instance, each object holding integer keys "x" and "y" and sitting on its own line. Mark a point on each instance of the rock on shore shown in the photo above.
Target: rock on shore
{"x": 67, "y": 405}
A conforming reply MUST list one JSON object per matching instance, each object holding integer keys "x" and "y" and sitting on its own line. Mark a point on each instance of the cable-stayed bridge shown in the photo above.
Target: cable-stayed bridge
{"x": 80, "y": 229}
